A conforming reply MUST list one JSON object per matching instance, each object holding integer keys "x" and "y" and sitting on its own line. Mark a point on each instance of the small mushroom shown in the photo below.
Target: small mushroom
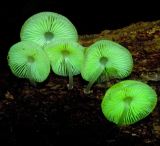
{"x": 28, "y": 60}
{"x": 45, "y": 27}
{"x": 105, "y": 58}
{"x": 128, "y": 102}
{"x": 66, "y": 58}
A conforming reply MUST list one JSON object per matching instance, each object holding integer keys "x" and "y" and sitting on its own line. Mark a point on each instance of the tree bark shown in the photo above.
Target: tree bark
{"x": 142, "y": 39}
{"x": 59, "y": 115}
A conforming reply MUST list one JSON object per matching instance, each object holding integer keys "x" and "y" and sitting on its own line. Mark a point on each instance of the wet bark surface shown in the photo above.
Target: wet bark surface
{"x": 50, "y": 114}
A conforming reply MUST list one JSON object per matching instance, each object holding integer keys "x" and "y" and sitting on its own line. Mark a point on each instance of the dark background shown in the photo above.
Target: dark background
{"x": 89, "y": 17}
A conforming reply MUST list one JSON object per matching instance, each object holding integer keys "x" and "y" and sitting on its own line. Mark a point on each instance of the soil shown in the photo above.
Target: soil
{"x": 50, "y": 114}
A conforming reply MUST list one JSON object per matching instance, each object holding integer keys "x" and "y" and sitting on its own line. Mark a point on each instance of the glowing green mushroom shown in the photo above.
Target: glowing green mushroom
{"x": 105, "y": 58}
{"x": 128, "y": 102}
{"x": 28, "y": 60}
{"x": 66, "y": 58}
{"x": 45, "y": 27}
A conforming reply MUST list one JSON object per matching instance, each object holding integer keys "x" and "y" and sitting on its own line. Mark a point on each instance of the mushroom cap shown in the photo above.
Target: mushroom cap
{"x": 18, "y": 57}
{"x": 75, "y": 55}
{"x": 56, "y": 25}
{"x": 143, "y": 101}
{"x": 119, "y": 60}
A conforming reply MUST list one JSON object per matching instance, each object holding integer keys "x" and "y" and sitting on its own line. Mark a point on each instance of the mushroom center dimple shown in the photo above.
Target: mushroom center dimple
{"x": 30, "y": 59}
{"x": 127, "y": 101}
{"x": 103, "y": 61}
{"x": 48, "y": 36}
{"x": 65, "y": 53}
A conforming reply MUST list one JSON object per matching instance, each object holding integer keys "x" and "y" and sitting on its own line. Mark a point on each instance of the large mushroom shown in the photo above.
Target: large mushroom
{"x": 45, "y": 27}
{"x": 128, "y": 102}
{"x": 105, "y": 58}
{"x": 27, "y": 59}
{"x": 66, "y": 58}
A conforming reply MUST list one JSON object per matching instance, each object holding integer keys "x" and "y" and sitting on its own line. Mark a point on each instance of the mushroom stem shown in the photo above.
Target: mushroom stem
{"x": 103, "y": 61}
{"x": 70, "y": 85}
{"x": 30, "y": 61}
{"x": 127, "y": 102}
{"x": 30, "y": 75}
{"x": 87, "y": 90}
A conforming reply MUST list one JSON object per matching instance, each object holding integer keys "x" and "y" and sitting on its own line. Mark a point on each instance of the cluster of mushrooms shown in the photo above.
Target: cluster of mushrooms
{"x": 49, "y": 40}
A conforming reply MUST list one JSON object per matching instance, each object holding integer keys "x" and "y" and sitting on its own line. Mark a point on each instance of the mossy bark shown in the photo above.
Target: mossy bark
{"x": 142, "y": 39}
{"x": 70, "y": 116}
